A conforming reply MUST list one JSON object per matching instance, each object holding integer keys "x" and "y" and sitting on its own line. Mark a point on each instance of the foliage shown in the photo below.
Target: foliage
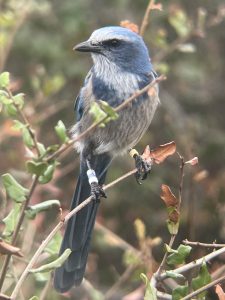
{"x": 186, "y": 43}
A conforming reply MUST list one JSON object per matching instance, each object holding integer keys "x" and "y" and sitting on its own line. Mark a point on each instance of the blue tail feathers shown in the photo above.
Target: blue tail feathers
{"x": 79, "y": 228}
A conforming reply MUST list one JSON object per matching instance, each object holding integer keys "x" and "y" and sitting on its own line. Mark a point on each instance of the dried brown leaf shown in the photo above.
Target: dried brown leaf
{"x": 168, "y": 197}
{"x": 193, "y": 161}
{"x": 129, "y": 25}
{"x": 6, "y": 248}
{"x": 160, "y": 153}
{"x": 220, "y": 292}
{"x": 174, "y": 216}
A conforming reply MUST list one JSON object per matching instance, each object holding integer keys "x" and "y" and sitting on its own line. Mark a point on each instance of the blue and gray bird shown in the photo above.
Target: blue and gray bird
{"x": 121, "y": 66}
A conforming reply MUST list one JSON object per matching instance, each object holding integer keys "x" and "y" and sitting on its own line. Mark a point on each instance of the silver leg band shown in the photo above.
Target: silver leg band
{"x": 92, "y": 176}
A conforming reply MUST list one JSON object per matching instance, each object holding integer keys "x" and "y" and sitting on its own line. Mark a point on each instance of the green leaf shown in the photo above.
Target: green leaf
{"x": 4, "y": 80}
{"x": 14, "y": 190}
{"x": 41, "y": 149}
{"x": 42, "y": 277}
{"x": 60, "y": 130}
{"x": 54, "y": 264}
{"x": 179, "y": 257}
{"x": 34, "y": 298}
{"x": 150, "y": 292}
{"x": 19, "y": 100}
{"x": 11, "y": 109}
{"x": 33, "y": 210}
{"x": 140, "y": 229}
{"x": 27, "y": 139}
{"x": 4, "y": 97}
{"x": 180, "y": 292}
{"x": 172, "y": 227}
{"x": 174, "y": 275}
{"x": 48, "y": 173}
{"x": 11, "y": 220}
{"x": 52, "y": 148}
{"x": 54, "y": 244}
{"x": 97, "y": 113}
{"x": 179, "y": 21}
{"x": 37, "y": 168}
{"x": 108, "y": 110}
{"x": 201, "y": 280}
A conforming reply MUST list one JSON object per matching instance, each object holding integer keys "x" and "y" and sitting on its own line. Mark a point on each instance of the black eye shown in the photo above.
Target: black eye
{"x": 112, "y": 43}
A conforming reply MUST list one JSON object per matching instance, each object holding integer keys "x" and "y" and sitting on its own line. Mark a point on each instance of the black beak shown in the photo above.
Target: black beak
{"x": 88, "y": 47}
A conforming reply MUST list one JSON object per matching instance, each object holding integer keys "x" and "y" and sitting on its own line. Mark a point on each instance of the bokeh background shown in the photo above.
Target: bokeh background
{"x": 36, "y": 40}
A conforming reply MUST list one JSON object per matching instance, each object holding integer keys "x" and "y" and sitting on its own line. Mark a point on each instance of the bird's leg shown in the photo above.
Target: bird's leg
{"x": 96, "y": 190}
{"x": 143, "y": 167}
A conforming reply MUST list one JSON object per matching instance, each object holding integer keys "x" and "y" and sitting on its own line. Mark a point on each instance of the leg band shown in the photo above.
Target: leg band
{"x": 92, "y": 176}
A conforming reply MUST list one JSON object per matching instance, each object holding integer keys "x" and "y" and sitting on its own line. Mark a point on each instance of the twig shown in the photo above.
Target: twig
{"x": 122, "y": 243}
{"x": 195, "y": 263}
{"x": 123, "y": 278}
{"x": 95, "y": 125}
{"x": 198, "y": 244}
{"x": 17, "y": 229}
{"x": 204, "y": 288}
{"x": 156, "y": 275}
{"x": 145, "y": 20}
{"x": 182, "y": 164}
{"x": 25, "y": 120}
{"x": 55, "y": 230}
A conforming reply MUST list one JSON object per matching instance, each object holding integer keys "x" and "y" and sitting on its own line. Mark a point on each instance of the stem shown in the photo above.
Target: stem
{"x": 17, "y": 229}
{"x": 204, "y": 288}
{"x": 195, "y": 263}
{"x": 95, "y": 125}
{"x": 25, "y": 120}
{"x": 145, "y": 20}
{"x": 198, "y": 244}
{"x": 55, "y": 230}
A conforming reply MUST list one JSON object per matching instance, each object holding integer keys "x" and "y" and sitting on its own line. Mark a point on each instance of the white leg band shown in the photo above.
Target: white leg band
{"x": 92, "y": 176}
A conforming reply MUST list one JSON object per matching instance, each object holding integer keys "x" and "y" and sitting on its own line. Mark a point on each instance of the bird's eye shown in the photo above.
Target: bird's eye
{"x": 112, "y": 43}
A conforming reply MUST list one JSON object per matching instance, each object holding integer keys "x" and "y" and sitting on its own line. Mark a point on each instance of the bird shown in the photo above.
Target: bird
{"x": 121, "y": 66}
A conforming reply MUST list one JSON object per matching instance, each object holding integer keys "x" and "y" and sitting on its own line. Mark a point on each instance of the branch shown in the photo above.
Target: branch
{"x": 195, "y": 263}
{"x": 95, "y": 125}
{"x": 25, "y": 120}
{"x": 56, "y": 229}
{"x": 204, "y": 288}
{"x": 17, "y": 229}
{"x": 198, "y": 244}
{"x": 145, "y": 20}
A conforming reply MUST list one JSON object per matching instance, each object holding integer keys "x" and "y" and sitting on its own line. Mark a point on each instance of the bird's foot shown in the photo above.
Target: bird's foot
{"x": 97, "y": 192}
{"x": 143, "y": 168}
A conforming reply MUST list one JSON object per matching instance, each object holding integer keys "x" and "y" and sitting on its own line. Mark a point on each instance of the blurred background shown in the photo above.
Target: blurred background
{"x": 186, "y": 41}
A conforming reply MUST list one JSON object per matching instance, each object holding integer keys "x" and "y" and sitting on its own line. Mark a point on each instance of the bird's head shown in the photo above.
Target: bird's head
{"x": 119, "y": 46}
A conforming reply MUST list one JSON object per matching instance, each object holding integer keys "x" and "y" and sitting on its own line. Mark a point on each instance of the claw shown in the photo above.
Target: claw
{"x": 143, "y": 168}
{"x": 97, "y": 192}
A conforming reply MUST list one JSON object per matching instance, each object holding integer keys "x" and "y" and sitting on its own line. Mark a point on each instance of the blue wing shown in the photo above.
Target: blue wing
{"x": 79, "y": 102}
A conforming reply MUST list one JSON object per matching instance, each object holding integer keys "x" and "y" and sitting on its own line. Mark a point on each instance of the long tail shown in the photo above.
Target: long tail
{"x": 79, "y": 229}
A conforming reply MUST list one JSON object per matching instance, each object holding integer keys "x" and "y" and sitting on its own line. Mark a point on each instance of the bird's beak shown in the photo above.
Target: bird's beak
{"x": 87, "y": 46}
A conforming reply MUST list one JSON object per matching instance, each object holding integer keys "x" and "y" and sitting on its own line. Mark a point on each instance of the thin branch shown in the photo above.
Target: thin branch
{"x": 25, "y": 120}
{"x": 198, "y": 244}
{"x": 55, "y": 230}
{"x": 204, "y": 288}
{"x": 122, "y": 279}
{"x": 17, "y": 229}
{"x": 195, "y": 263}
{"x": 145, "y": 20}
{"x": 95, "y": 125}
